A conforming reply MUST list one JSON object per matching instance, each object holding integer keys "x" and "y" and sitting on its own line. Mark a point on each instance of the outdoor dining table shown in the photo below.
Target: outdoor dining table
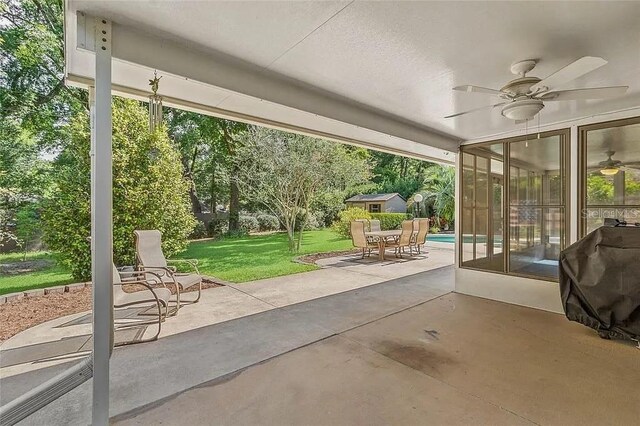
{"x": 382, "y": 239}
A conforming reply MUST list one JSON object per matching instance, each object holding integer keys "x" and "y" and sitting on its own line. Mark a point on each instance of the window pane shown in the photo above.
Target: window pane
{"x": 467, "y": 180}
{"x": 536, "y": 215}
{"x": 536, "y": 177}
{"x": 467, "y": 234}
{"x": 482, "y": 207}
{"x": 481, "y": 233}
{"x": 482, "y": 165}
{"x": 595, "y": 216}
{"x": 613, "y": 166}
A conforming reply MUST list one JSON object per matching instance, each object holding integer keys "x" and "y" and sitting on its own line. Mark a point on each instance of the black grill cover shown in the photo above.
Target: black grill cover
{"x": 600, "y": 281}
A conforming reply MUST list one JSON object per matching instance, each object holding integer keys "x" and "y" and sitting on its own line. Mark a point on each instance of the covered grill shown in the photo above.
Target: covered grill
{"x": 600, "y": 281}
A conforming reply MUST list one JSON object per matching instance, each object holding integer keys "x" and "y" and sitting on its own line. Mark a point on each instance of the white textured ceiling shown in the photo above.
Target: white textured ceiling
{"x": 403, "y": 58}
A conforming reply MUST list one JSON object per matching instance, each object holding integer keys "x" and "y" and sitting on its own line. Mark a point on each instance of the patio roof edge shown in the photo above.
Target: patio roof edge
{"x": 128, "y": 92}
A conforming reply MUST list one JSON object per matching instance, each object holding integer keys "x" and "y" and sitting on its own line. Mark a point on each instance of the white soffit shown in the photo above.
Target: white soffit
{"x": 215, "y": 83}
{"x": 374, "y": 70}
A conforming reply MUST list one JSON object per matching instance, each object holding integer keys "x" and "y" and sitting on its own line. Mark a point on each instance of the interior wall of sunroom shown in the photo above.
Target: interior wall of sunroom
{"x": 522, "y": 198}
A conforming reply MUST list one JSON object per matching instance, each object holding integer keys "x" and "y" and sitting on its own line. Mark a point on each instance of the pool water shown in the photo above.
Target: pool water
{"x": 441, "y": 238}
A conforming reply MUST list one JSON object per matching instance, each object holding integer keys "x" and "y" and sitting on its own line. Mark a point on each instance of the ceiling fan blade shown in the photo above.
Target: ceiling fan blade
{"x": 475, "y": 109}
{"x": 581, "y": 94}
{"x": 477, "y": 89}
{"x": 572, "y": 71}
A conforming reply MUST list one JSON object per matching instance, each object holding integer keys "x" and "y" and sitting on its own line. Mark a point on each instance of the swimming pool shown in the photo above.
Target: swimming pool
{"x": 441, "y": 238}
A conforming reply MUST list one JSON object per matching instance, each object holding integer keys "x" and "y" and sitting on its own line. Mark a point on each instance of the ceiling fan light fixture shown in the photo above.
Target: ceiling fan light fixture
{"x": 523, "y": 109}
{"x": 610, "y": 171}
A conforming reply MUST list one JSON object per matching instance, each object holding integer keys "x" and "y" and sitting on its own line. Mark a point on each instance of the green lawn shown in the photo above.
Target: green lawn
{"x": 236, "y": 260}
{"x": 49, "y": 277}
{"x": 261, "y": 256}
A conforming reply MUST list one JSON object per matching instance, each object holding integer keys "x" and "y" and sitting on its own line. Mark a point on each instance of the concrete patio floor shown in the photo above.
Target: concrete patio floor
{"x": 452, "y": 360}
{"x": 371, "y": 351}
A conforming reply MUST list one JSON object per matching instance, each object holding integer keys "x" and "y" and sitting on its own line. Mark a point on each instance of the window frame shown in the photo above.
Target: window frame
{"x": 565, "y": 161}
{"x": 583, "y": 172}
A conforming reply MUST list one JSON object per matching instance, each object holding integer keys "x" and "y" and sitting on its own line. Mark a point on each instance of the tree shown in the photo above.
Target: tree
{"x": 27, "y": 227}
{"x": 208, "y": 146}
{"x": 33, "y": 95}
{"x": 34, "y": 106}
{"x": 149, "y": 191}
{"x": 440, "y": 190}
{"x": 287, "y": 172}
{"x": 394, "y": 173}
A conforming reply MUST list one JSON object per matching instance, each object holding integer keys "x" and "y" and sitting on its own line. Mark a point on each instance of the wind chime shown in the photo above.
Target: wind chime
{"x": 155, "y": 103}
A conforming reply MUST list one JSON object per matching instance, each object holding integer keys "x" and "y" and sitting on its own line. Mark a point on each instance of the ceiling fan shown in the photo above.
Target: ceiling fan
{"x": 525, "y": 96}
{"x": 610, "y": 167}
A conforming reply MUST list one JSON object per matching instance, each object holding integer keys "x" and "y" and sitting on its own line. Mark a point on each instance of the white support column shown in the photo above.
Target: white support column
{"x": 101, "y": 223}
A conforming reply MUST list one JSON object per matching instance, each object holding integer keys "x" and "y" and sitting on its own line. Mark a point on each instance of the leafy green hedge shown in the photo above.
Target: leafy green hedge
{"x": 342, "y": 226}
{"x": 149, "y": 191}
{"x": 391, "y": 220}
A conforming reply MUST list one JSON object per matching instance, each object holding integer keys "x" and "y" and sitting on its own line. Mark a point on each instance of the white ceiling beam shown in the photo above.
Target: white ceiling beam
{"x": 214, "y": 68}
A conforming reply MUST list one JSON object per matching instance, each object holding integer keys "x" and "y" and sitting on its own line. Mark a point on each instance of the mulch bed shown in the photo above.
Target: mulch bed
{"x": 19, "y": 315}
{"x": 312, "y": 258}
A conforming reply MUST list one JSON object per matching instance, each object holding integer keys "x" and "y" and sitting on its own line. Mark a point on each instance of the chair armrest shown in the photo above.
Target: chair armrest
{"x": 142, "y": 273}
{"x": 191, "y": 262}
{"x": 158, "y": 271}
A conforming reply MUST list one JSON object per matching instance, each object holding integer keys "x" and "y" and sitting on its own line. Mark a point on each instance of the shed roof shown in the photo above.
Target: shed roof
{"x": 374, "y": 197}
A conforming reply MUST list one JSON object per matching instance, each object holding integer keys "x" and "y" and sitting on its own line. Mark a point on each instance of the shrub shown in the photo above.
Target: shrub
{"x": 238, "y": 233}
{"x": 343, "y": 225}
{"x": 390, "y": 220}
{"x": 434, "y": 230}
{"x": 149, "y": 191}
{"x": 248, "y": 224}
{"x": 28, "y": 227}
{"x": 200, "y": 231}
{"x": 217, "y": 227}
{"x": 312, "y": 221}
{"x": 267, "y": 222}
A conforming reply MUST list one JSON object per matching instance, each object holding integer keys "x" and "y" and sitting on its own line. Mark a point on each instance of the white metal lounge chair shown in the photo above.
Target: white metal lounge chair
{"x": 151, "y": 259}
{"x": 148, "y": 296}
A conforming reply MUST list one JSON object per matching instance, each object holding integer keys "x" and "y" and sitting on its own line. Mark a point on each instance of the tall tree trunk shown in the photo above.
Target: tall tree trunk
{"x": 213, "y": 201}
{"x": 234, "y": 199}
{"x": 196, "y": 207}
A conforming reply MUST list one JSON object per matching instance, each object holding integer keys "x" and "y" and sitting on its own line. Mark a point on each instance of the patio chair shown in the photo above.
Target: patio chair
{"x": 415, "y": 231}
{"x": 421, "y": 237}
{"x": 151, "y": 259}
{"x": 366, "y": 224}
{"x": 360, "y": 240}
{"x": 149, "y": 296}
{"x": 404, "y": 240}
{"x": 374, "y": 225}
